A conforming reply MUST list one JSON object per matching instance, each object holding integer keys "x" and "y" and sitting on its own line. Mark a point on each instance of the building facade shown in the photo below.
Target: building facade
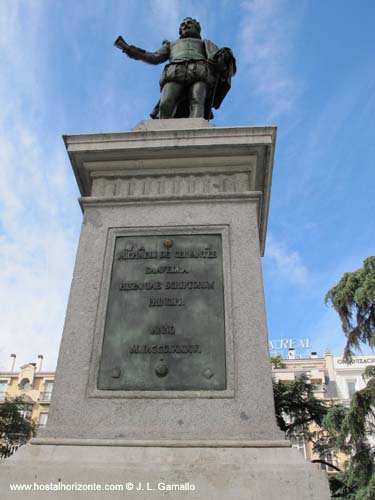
{"x": 32, "y": 385}
{"x": 334, "y": 380}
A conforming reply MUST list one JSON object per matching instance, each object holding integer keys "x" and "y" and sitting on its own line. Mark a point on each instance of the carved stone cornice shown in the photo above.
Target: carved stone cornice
{"x": 175, "y": 159}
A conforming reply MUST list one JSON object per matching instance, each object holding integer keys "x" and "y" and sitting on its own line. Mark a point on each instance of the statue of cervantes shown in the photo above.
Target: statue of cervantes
{"x": 196, "y": 78}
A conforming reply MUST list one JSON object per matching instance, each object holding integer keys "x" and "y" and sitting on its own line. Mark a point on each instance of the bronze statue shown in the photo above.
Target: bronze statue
{"x": 197, "y": 77}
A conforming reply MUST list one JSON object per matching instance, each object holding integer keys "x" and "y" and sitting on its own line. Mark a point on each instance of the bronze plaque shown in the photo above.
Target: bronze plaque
{"x": 164, "y": 327}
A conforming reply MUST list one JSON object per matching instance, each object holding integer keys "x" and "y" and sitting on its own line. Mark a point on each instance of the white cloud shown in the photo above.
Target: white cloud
{"x": 166, "y": 17}
{"x": 36, "y": 248}
{"x": 328, "y": 141}
{"x": 286, "y": 264}
{"x": 38, "y": 216}
{"x": 266, "y": 39}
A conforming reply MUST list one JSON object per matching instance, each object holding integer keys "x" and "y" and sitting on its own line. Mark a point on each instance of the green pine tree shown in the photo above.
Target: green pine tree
{"x": 296, "y": 406}
{"x": 354, "y": 300}
{"x": 15, "y": 429}
{"x": 348, "y": 430}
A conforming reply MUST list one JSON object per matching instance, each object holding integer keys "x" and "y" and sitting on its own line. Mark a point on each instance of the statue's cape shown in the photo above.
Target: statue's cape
{"x": 222, "y": 84}
{"x": 225, "y": 77}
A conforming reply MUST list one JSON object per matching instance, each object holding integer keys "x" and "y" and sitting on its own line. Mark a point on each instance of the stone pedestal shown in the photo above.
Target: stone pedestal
{"x": 200, "y": 408}
{"x": 138, "y": 472}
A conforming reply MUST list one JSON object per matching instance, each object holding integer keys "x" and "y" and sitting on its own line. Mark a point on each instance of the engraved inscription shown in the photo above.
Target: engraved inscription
{"x": 141, "y": 253}
{"x": 134, "y": 286}
{"x": 163, "y": 330}
{"x": 165, "y": 349}
{"x": 165, "y": 301}
{"x": 196, "y": 254}
{"x": 166, "y": 298}
{"x": 191, "y": 285}
{"x": 166, "y": 269}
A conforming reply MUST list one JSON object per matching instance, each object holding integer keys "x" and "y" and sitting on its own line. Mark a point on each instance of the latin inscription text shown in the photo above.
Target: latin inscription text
{"x": 165, "y": 349}
{"x": 166, "y": 302}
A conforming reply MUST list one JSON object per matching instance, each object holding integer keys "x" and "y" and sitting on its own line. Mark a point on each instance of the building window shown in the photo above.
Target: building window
{"x": 47, "y": 393}
{"x": 351, "y": 388}
{"x": 3, "y": 390}
{"x": 43, "y": 417}
{"x": 26, "y": 410}
{"x": 298, "y": 442}
{"x": 329, "y": 459}
{"x": 25, "y": 384}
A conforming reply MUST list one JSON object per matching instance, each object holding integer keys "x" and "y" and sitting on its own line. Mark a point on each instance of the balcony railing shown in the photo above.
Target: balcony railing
{"x": 45, "y": 397}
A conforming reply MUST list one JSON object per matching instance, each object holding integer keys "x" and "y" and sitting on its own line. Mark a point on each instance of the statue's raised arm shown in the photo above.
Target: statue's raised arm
{"x": 197, "y": 77}
{"x": 133, "y": 52}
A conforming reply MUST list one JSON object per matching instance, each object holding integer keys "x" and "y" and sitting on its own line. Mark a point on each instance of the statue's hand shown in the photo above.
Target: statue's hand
{"x": 130, "y": 50}
{"x": 120, "y": 43}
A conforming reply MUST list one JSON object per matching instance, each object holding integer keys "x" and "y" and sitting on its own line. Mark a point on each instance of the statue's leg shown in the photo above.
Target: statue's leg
{"x": 171, "y": 94}
{"x": 197, "y": 97}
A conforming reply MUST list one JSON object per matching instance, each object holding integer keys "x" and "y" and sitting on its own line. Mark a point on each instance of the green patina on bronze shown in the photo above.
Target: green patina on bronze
{"x": 164, "y": 327}
{"x": 197, "y": 77}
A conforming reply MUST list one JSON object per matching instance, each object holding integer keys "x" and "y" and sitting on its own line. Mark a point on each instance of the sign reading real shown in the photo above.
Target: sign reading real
{"x": 281, "y": 344}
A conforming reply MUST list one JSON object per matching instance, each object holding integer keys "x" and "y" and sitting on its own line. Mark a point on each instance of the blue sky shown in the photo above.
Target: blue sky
{"x": 306, "y": 66}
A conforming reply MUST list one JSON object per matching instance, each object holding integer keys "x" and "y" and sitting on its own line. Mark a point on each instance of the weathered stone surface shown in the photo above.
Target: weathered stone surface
{"x": 165, "y": 182}
{"x": 225, "y": 176}
{"x": 214, "y": 473}
{"x": 172, "y": 124}
{"x": 163, "y": 161}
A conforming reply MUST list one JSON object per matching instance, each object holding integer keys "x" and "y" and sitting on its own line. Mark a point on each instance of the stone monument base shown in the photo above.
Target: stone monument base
{"x": 244, "y": 471}
{"x": 171, "y": 198}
